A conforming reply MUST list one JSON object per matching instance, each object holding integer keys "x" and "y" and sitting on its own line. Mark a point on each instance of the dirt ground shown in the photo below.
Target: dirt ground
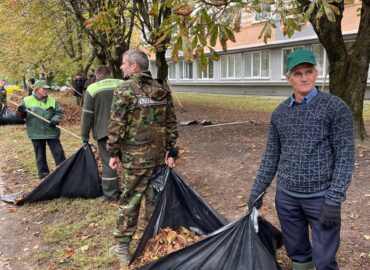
{"x": 221, "y": 163}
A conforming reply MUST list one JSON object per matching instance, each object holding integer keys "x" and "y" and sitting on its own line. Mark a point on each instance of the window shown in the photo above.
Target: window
{"x": 171, "y": 71}
{"x": 321, "y": 60}
{"x": 263, "y": 14}
{"x": 186, "y": 70}
{"x": 231, "y": 66}
{"x": 286, "y": 52}
{"x": 257, "y": 64}
{"x": 208, "y": 73}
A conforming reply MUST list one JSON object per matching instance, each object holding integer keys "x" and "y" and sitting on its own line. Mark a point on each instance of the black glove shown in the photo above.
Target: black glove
{"x": 252, "y": 201}
{"x": 53, "y": 123}
{"x": 330, "y": 216}
{"x": 21, "y": 109}
{"x": 174, "y": 152}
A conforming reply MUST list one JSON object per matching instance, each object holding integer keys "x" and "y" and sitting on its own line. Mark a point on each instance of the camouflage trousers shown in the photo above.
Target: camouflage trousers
{"x": 135, "y": 185}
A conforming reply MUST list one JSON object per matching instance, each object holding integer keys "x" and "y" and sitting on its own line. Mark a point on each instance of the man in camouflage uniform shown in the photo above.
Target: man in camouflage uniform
{"x": 141, "y": 133}
{"x": 2, "y": 95}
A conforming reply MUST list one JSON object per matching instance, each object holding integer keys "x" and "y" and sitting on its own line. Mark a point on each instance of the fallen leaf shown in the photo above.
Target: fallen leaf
{"x": 367, "y": 237}
{"x": 12, "y": 209}
{"x": 68, "y": 252}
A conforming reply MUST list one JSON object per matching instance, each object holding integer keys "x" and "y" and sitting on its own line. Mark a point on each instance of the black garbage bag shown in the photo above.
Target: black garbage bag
{"x": 77, "y": 177}
{"x": 178, "y": 206}
{"x": 235, "y": 246}
{"x": 8, "y": 117}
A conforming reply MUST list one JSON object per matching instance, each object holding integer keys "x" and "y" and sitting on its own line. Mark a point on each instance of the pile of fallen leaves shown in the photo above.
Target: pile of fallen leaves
{"x": 165, "y": 242}
{"x": 72, "y": 114}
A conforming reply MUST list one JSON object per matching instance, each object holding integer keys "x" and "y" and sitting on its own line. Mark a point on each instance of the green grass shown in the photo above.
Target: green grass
{"x": 247, "y": 103}
{"x": 86, "y": 225}
{"x": 243, "y": 103}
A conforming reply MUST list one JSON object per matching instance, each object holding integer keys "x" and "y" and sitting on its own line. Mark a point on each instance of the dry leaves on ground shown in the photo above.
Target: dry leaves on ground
{"x": 165, "y": 242}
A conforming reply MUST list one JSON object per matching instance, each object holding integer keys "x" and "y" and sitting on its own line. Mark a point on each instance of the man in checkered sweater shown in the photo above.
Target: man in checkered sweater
{"x": 310, "y": 149}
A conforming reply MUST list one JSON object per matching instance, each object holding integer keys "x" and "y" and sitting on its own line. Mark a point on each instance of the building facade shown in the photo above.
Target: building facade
{"x": 251, "y": 67}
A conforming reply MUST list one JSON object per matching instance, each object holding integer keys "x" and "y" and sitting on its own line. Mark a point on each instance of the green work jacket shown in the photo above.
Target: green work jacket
{"x": 47, "y": 108}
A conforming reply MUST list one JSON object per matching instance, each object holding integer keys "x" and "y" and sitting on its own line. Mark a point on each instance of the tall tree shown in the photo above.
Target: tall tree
{"x": 198, "y": 25}
{"x": 151, "y": 15}
{"x": 38, "y": 41}
{"x": 108, "y": 25}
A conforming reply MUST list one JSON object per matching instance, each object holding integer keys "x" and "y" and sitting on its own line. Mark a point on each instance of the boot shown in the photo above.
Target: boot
{"x": 303, "y": 266}
{"x": 121, "y": 251}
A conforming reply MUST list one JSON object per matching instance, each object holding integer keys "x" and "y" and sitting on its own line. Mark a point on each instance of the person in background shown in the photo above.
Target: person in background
{"x": 91, "y": 78}
{"x": 141, "y": 131}
{"x": 95, "y": 117}
{"x": 3, "y": 102}
{"x": 39, "y": 131}
{"x": 79, "y": 86}
{"x": 30, "y": 83}
{"x": 310, "y": 149}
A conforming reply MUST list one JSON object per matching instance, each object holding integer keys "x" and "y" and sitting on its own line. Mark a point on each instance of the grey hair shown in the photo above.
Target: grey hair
{"x": 289, "y": 71}
{"x": 138, "y": 57}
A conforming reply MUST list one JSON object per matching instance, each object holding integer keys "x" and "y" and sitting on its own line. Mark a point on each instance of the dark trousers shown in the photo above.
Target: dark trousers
{"x": 296, "y": 215}
{"x": 109, "y": 180}
{"x": 40, "y": 152}
{"x": 79, "y": 100}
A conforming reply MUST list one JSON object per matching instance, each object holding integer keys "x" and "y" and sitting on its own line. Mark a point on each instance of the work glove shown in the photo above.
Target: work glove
{"x": 85, "y": 144}
{"x": 53, "y": 123}
{"x": 21, "y": 111}
{"x": 174, "y": 152}
{"x": 252, "y": 201}
{"x": 330, "y": 216}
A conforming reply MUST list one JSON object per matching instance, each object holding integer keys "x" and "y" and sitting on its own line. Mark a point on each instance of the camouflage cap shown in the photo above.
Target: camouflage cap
{"x": 41, "y": 83}
{"x": 2, "y": 79}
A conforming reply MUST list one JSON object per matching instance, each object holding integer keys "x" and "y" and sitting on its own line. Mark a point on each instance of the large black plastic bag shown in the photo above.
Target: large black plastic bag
{"x": 236, "y": 246}
{"x": 8, "y": 117}
{"x": 178, "y": 206}
{"x": 77, "y": 177}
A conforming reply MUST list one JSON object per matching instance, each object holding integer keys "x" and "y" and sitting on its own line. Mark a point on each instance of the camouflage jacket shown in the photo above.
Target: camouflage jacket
{"x": 2, "y": 98}
{"x": 143, "y": 122}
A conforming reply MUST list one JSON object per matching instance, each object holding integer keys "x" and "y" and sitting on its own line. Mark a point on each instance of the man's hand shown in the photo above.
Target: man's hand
{"x": 53, "y": 123}
{"x": 85, "y": 144}
{"x": 330, "y": 216}
{"x": 170, "y": 162}
{"x": 252, "y": 200}
{"x": 114, "y": 163}
{"x": 21, "y": 111}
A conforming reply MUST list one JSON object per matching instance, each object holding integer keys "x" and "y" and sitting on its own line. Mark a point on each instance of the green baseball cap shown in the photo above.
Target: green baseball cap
{"x": 41, "y": 83}
{"x": 300, "y": 57}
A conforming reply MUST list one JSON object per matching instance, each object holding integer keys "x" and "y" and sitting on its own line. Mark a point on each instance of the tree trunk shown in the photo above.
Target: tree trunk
{"x": 160, "y": 60}
{"x": 348, "y": 70}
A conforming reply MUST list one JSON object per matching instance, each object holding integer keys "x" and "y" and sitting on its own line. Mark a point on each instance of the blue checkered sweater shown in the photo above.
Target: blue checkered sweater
{"x": 310, "y": 148}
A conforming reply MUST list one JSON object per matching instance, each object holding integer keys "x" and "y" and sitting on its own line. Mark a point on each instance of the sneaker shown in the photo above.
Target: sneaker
{"x": 121, "y": 251}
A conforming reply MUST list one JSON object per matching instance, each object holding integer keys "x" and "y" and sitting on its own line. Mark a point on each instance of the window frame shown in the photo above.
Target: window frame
{"x": 325, "y": 61}
{"x": 251, "y": 66}
{"x": 234, "y": 68}
{"x": 200, "y": 73}
{"x": 171, "y": 66}
{"x": 184, "y": 67}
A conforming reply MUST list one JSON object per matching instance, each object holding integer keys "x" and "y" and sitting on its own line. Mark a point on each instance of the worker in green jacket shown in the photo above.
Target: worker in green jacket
{"x": 39, "y": 131}
{"x": 95, "y": 117}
